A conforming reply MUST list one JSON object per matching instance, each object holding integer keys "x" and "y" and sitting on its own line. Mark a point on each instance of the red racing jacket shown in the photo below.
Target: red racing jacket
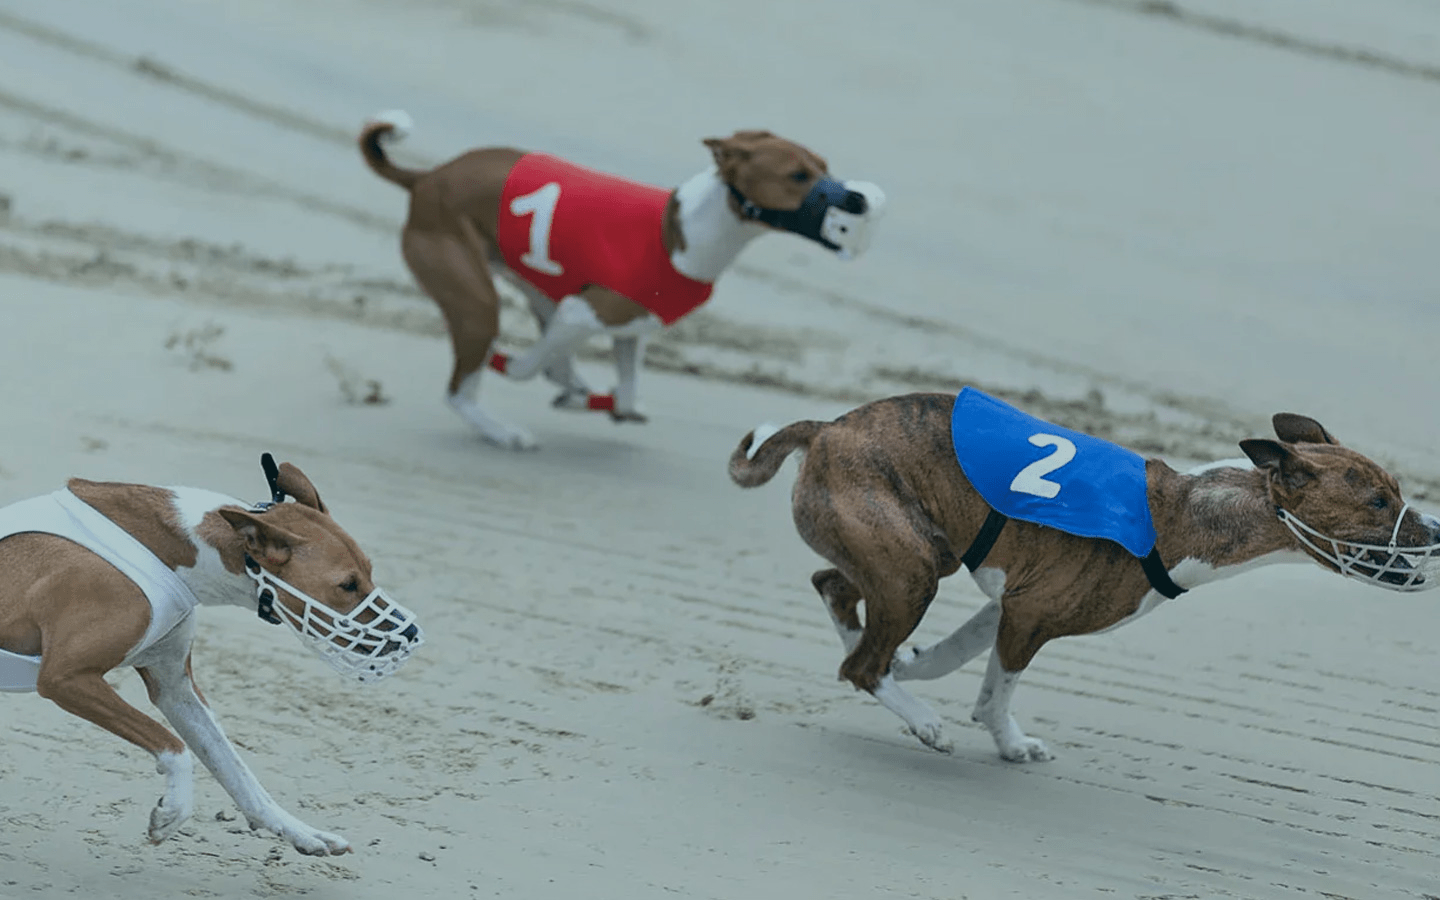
{"x": 563, "y": 227}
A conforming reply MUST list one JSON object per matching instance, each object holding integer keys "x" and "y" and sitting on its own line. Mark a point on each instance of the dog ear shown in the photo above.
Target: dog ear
{"x": 1297, "y": 429}
{"x": 725, "y": 151}
{"x": 267, "y": 542}
{"x": 1278, "y": 461}
{"x": 293, "y": 482}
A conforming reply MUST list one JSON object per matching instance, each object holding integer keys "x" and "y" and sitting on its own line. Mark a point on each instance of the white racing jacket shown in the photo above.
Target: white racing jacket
{"x": 66, "y": 515}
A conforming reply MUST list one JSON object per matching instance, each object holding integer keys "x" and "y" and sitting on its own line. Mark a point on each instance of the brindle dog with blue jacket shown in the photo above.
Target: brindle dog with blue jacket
{"x": 1065, "y": 534}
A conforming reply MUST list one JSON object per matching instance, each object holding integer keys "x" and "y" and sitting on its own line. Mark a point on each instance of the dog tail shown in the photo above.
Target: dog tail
{"x": 763, "y": 451}
{"x": 392, "y": 125}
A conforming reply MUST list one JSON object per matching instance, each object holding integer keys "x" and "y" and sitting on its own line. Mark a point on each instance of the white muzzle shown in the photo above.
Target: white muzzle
{"x": 1389, "y": 566}
{"x": 849, "y": 231}
{"x": 368, "y": 644}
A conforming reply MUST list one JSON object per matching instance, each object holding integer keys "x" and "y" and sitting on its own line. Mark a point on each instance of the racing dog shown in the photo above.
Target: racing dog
{"x": 103, "y": 575}
{"x": 595, "y": 254}
{"x": 1066, "y": 534}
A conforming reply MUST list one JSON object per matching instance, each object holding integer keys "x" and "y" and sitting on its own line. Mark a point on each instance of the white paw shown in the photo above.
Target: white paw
{"x": 166, "y": 818}
{"x": 512, "y": 437}
{"x": 1027, "y": 749}
{"x": 573, "y": 398}
{"x": 633, "y": 414}
{"x": 904, "y": 658}
{"x": 317, "y": 843}
{"x": 309, "y": 841}
{"x": 932, "y": 736}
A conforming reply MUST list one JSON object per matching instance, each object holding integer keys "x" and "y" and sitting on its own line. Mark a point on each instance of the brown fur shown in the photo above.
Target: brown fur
{"x": 449, "y": 239}
{"x": 83, "y": 616}
{"x": 880, "y": 495}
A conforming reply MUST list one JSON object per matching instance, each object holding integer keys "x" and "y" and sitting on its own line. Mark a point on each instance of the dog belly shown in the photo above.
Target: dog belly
{"x": 1147, "y": 605}
{"x": 18, "y": 674}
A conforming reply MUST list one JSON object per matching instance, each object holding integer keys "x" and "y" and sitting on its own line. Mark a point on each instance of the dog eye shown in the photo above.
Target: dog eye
{"x": 1380, "y": 502}
{"x": 351, "y": 585}
{"x": 800, "y": 176}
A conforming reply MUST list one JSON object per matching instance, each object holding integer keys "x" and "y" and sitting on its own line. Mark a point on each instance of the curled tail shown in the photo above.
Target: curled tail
{"x": 763, "y": 451}
{"x": 389, "y": 126}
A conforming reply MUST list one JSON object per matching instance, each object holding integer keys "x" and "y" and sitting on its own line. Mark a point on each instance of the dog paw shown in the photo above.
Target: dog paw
{"x": 932, "y": 736}
{"x": 572, "y": 399}
{"x": 511, "y": 437}
{"x": 166, "y": 819}
{"x": 317, "y": 843}
{"x": 1027, "y": 749}
{"x": 904, "y": 659}
{"x": 307, "y": 840}
{"x": 628, "y": 415}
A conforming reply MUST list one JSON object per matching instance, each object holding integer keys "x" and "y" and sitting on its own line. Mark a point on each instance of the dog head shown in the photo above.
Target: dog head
{"x": 1345, "y": 510}
{"x": 787, "y": 187}
{"x": 319, "y": 582}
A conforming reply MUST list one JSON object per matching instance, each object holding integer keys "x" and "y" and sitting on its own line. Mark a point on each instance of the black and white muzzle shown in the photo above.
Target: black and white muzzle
{"x": 838, "y": 215}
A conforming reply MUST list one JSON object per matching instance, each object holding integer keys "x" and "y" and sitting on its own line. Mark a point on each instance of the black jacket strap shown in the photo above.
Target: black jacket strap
{"x": 980, "y": 547}
{"x": 1159, "y": 576}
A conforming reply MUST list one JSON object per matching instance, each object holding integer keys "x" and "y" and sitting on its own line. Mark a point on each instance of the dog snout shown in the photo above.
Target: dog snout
{"x": 1432, "y": 525}
{"x": 855, "y": 202}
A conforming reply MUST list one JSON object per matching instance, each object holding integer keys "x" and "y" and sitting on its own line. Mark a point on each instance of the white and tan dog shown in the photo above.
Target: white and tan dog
{"x": 595, "y": 254}
{"x": 884, "y": 494}
{"x": 102, "y": 575}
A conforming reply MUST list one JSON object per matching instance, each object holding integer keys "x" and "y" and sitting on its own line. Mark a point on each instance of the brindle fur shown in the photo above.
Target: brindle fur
{"x": 880, "y": 495}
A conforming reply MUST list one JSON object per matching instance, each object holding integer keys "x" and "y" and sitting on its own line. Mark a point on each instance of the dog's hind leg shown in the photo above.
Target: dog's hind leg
{"x": 842, "y": 600}
{"x": 883, "y": 555}
{"x": 452, "y": 270}
{"x": 894, "y": 605}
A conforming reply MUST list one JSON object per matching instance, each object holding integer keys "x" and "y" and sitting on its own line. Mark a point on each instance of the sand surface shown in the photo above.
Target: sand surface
{"x": 1158, "y": 222}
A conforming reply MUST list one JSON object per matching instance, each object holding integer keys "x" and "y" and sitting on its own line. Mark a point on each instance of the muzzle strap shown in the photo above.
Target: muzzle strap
{"x": 264, "y": 595}
{"x": 272, "y": 475}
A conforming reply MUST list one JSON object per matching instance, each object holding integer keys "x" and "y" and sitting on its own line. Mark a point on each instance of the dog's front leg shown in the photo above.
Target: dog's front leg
{"x": 940, "y": 659}
{"x": 173, "y": 691}
{"x": 572, "y": 323}
{"x": 992, "y": 709}
{"x": 629, "y": 352}
{"x": 560, "y": 369}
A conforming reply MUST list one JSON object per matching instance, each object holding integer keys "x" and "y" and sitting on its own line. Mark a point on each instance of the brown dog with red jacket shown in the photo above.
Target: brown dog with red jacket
{"x": 595, "y": 254}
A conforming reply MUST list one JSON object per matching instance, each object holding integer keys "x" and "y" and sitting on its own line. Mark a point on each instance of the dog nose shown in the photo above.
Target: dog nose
{"x": 855, "y": 202}
{"x": 1433, "y": 524}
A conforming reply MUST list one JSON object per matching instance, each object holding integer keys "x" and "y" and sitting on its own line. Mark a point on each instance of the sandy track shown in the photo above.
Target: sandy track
{"x": 629, "y": 691}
